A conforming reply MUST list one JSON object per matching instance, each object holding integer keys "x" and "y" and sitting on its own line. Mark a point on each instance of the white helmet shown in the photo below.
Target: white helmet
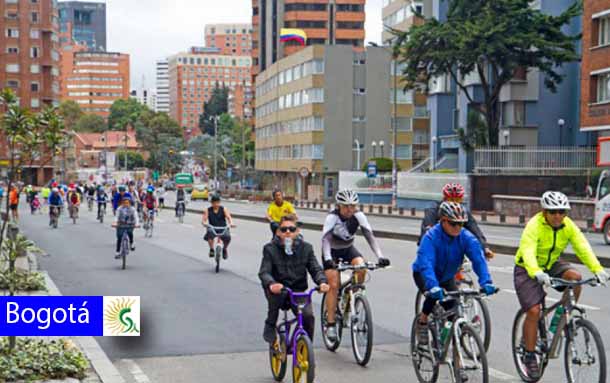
{"x": 553, "y": 200}
{"x": 453, "y": 211}
{"x": 346, "y": 197}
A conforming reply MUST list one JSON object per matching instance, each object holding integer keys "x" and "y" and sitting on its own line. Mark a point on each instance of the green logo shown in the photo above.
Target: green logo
{"x": 117, "y": 317}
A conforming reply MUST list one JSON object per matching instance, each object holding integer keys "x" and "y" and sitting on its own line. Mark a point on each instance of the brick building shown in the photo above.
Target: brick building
{"x": 595, "y": 70}
{"x": 231, "y": 39}
{"x": 91, "y": 147}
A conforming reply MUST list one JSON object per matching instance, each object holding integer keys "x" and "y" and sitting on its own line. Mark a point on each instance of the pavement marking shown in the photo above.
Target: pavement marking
{"x": 501, "y": 375}
{"x": 136, "y": 371}
{"x": 501, "y": 269}
{"x": 592, "y": 308}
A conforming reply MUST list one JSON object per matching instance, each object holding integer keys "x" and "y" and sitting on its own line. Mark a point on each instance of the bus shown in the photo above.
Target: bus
{"x": 185, "y": 180}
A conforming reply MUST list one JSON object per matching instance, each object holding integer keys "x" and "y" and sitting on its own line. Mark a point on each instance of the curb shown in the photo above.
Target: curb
{"x": 503, "y": 250}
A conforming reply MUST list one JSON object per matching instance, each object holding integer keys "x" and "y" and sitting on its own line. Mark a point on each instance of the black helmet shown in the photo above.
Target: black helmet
{"x": 215, "y": 198}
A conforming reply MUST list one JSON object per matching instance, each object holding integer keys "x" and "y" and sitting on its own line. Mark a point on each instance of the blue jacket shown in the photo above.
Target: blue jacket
{"x": 55, "y": 199}
{"x": 440, "y": 256}
{"x": 117, "y": 198}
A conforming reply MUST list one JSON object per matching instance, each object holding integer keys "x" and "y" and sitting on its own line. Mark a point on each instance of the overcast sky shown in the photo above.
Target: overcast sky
{"x": 152, "y": 29}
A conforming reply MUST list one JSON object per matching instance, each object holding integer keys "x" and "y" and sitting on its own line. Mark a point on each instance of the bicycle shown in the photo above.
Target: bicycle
{"x": 353, "y": 311}
{"x": 218, "y": 245}
{"x": 475, "y": 308}
{"x": 301, "y": 347}
{"x": 125, "y": 246}
{"x": 101, "y": 212}
{"x": 73, "y": 213}
{"x": 455, "y": 343}
{"x": 568, "y": 321}
{"x": 180, "y": 211}
{"x": 55, "y": 211}
{"x": 90, "y": 203}
{"x": 148, "y": 223}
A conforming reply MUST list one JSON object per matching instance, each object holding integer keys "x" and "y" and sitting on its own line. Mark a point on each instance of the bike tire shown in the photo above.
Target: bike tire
{"x": 217, "y": 255}
{"x": 588, "y": 326}
{"x": 124, "y": 252}
{"x": 304, "y": 366}
{"x": 181, "y": 217}
{"x": 482, "y": 324}
{"x": 330, "y": 346}
{"x": 365, "y": 319}
{"x": 480, "y": 356}
{"x": 419, "y": 302}
{"x": 419, "y": 353}
{"x": 278, "y": 360}
{"x": 517, "y": 349}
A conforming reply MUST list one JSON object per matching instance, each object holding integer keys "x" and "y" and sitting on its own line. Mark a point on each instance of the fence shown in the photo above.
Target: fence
{"x": 536, "y": 160}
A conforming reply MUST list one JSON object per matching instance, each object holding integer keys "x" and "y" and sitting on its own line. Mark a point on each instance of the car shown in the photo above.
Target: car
{"x": 200, "y": 192}
{"x": 170, "y": 185}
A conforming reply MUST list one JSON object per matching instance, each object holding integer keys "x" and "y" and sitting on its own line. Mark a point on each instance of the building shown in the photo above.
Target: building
{"x": 240, "y": 102}
{"x": 162, "y": 86}
{"x": 90, "y": 148}
{"x": 315, "y": 118}
{"x": 231, "y": 39}
{"x": 83, "y": 23}
{"x": 531, "y": 115}
{"x": 400, "y": 15}
{"x": 145, "y": 97}
{"x": 595, "y": 70}
{"x": 193, "y": 75}
{"x": 95, "y": 80}
{"x": 29, "y": 62}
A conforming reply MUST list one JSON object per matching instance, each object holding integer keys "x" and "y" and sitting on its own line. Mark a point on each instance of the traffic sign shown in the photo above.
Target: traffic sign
{"x": 371, "y": 169}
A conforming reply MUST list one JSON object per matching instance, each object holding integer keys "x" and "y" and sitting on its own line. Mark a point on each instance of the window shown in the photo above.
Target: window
{"x": 34, "y": 33}
{"x": 604, "y": 31}
{"x": 403, "y": 152}
{"x": 34, "y": 52}
{"x": 402, "y": 96}
{"x": 34, "y": 87}
{"x": 12, "y": 68}
{"x": 12, "y": 84}
{"x": 35, "y": 103}
{"x": 11, "y": 15}
{"x": 12, "y": 50}
{"x": 34, "y": 17}
{"x": 403, "y": 124}
{"x": 603, "y": 88}
{"x": 35, "y": 68}
{"x": 12, "y": 32}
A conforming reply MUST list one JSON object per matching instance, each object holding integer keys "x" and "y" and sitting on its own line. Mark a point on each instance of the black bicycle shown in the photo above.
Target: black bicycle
{"x": 353, "y": 311}
{"x": 584, "y": 354}
{"x": 54, "y": 212}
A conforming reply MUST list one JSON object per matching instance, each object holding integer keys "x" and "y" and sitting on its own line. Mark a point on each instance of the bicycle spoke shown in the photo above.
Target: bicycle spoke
{"x": 584, "y": 354}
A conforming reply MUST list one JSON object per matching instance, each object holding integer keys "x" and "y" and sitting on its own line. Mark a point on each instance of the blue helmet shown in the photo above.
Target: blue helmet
{"x": 150, "y": 189}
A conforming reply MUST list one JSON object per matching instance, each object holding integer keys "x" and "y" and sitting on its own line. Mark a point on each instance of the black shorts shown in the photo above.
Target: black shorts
{"x": 529, "y": 291}
{"x": 14, "y": 206}
{"x": 346, "y": 255}
{"x": 210, "y": 235}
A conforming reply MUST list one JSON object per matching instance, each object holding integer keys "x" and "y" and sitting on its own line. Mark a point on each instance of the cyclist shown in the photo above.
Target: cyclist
{"x": 454, "y": 192}
{"x": 338, "y": 245}
{"x": 149, "y": 202}
{"x": 286, "y": 261}
{"x": 55, "y": 201}
{"x": 126, "y": 221}
{"x": 180, "y": 198}
{"x": 121, "y": 192}
{"x": 73, "y": 199}
{"x": 277, "y": 209}
{"x": 90, "y": 191}
{"x": 102, "y": 199}
{"x": 28, "y": 193}
{"x": 545, "y": 237}
{"x": 217, "y": 216}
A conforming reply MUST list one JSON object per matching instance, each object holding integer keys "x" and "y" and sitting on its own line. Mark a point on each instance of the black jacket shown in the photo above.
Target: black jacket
{"x": 431, "y": 218}
{"x": 290, "y": 270}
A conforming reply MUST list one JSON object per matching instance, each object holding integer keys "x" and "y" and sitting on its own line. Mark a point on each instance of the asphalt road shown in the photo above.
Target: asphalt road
{"x": 201, "y": 327}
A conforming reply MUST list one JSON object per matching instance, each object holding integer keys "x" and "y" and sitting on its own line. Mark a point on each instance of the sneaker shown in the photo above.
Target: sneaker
{"x": 225, "y": 255}
{"x": 531, "y": 365}
{"x": 117, "y": 255}
{"x": 422, "y": 333}
{"x": 211, "y": 253}
{"x": 269, "y": 334}
{"x": 463, "y": 377}
{"x": 133, "y": 247}
{"x": 331, "y": 332}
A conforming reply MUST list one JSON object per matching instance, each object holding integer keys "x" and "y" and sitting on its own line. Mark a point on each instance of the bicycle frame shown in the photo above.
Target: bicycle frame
{"x": 285, "y": 327}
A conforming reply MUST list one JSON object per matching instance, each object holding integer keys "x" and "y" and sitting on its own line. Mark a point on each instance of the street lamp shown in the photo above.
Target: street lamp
{"x": 434, "y": 139}
{"x": 561, "y": 122}
{"x": 358, "y": 149}
{"x": 215, "y": 120}
{"x": 374, "y": 145}
{"x": 506, "y": 133}
{"x": 381, "y": 144}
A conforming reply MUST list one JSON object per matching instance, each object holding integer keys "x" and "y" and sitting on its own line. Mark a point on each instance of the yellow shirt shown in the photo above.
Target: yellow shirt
{"x": 277, "y": 212}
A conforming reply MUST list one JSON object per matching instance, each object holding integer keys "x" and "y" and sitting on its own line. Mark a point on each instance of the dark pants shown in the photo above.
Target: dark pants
{"x": 273, "y": 226}
{"x": 210, "y": 234}
{"x": 181, "y": 205}
{"x": 282, "y": 301}
{"x": 99, "y": 207}
{"x": 429, "y": 303}
{"x": 119, "y": 236}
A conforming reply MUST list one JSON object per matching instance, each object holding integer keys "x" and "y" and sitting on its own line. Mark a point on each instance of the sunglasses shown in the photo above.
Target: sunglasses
{"x": 455, "y": 224}
{"x": 553, "y": 212}
{"x": 286, "y": 229}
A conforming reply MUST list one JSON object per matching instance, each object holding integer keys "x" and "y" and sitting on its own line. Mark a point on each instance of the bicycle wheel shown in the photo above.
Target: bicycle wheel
{"x": 518, "y": 349}
{"x": 419, "y": 302}
{"x": 304, "y": 366}
{"x": 330, "y": 346}
{"x": 426, "y": 368}
{"x": 585, "y": 357}
{"x": 151, "y": 227}
{"x": 181, "y": 216}
{"x": 124, "y": 251}
{"x": 474, "y": 361}
{"x": 277, "y": 359}
{"x": 217, "y": 255}
{"x": 476, "y": 313}
{"x": 361, "y": 325}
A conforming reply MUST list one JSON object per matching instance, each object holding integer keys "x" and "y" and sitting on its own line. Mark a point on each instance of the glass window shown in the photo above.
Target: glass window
{"x": 402, "y": 96}
{"x": 603, "y": 88}
{"x": 12, "y": 32}
{"x": 35, "y": 103}
{"x": 403, "y": 152}
{"x": 34, "y": 52}
{"x": 604, "y": 31}
{"x": 34, "y": 87}
{"x": 318, "y": 66}
{"x": 403, "y": 124}
{"x": 35, "y": 68}
{"x": 288, "y": 74}
{"x": 12, "y": 68}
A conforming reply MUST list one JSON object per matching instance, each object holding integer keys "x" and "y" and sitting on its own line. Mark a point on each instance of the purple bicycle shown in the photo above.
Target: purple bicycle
{"x": 301, "y": 348}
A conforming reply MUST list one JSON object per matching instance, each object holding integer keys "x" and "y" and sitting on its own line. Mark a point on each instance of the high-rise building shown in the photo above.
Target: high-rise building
{"x": 29, "y": 62}
{"x": 193, "y": 75}
{"x": 162, "y": 86}
{"x": 83, "y": 23}
{"x": 231, "y": 39}
{"x": 595, "y": 70}
{"x": 400, "y": 15}
{"x": 145, "y": 97}
{"x": 240, "y": 102}
{"x": 95, "y": 80}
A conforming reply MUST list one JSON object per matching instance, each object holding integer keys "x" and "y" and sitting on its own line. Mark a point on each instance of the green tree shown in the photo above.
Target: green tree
{"x": 71, "y": 112}
{"x": 91, "y": 123}
{"x": 477, "y": 133}
{"x": 384, "y": 164}
{"x": 125, "y": 112}
{"x": 492, "y": 38}
{"x": 134, "y": 159}
{"x": 216, "y": 106}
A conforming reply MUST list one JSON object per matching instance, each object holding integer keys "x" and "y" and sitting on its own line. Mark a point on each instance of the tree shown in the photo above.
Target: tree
{"x": 218, "y": 105}
{"x": 125, "y": 112}
{"x": 492, "y": 38}
{"x": 91, "y": 123}
{"x": 384, "y": 164}
{"x": 134, "y": 159}
{"x": 477, "y": 133}
{"x": 71, "y": 113}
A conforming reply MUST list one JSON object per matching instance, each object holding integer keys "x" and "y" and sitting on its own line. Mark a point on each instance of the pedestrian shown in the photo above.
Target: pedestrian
{"x": 13, "y": 198}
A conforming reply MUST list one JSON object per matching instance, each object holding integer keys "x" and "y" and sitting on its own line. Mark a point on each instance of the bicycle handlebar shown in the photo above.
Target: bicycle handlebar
{"x": 293, "y": 296}
{"x": 364, "y": 266}
{"x": 558, "y": 282}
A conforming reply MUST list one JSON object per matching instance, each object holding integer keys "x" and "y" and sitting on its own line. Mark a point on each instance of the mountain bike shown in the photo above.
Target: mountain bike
{"x": 101, "y": 212}
{"x": 451, "y": 340}
{"x": 584, "y": 353}
{"x": 298, "y": 344}
{"x": 353, "y": 311}
{"x": 149, "y": 223}
{"x": 218, "y": 244}
{"x": 180, "y": 210}
{"x": 54, "y": 212}
{"x": 125, "y": 246}
{"x": 475, "y": 308}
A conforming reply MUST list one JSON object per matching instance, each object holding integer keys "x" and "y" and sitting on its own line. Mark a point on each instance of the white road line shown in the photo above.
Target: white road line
{"x": 136, "y": 371}
{"x": 592, "y": 308}
{"x": 501, "y": 375}
{"x": 501, "y": 269}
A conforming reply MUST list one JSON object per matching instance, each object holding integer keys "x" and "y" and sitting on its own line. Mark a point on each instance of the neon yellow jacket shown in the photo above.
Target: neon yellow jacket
{"x": 541, "y": 245}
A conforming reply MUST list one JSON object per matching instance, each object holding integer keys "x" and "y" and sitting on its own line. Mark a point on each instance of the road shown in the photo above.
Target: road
{"x": 201, "y": 327}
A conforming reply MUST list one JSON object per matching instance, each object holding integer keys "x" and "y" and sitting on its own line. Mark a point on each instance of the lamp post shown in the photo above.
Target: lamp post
{"x": 357, "y": 149}
{"x": 434, "y": 139}
{"x": 561, "y": 122}
{"x": 215, "y": 119}
{"x": 374, "y": 145}
{"x": 381, "y": 145}
{"x": 506, "y": 134}
{"x": 125, "y": 138}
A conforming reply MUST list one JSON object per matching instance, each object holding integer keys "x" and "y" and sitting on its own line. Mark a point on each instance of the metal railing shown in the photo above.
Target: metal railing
{"x": 535, "y": 160}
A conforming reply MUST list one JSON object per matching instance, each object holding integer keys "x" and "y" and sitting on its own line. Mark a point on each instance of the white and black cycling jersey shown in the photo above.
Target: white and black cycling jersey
{"x": 338, "y": 233}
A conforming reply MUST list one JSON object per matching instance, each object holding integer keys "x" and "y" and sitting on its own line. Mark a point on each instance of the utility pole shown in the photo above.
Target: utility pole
{"x": 243, "y": 153}
{"x": 395, "y": 134}
{"x": 125, "y": 139}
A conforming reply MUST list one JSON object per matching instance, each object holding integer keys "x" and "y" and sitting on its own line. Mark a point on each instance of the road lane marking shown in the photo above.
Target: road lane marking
{"x": 501, "y": 269}
{"x": 136, "y": 371}
{"x": 501, "y": 375}
{"x": 592, "y": 308}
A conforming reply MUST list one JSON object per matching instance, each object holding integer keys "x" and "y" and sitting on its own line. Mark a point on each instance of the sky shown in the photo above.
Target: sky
{"x": 152, "y": 29}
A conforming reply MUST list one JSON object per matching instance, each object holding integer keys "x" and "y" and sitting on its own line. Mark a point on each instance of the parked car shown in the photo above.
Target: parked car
{"x": 200, "y": 192}
{"x": 169, "y": 185}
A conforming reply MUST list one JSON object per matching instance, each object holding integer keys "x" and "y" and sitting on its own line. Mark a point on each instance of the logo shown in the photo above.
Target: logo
{"x": 121, "y": 316}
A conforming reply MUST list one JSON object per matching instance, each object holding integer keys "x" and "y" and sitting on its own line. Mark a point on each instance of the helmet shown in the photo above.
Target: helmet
{"x": 553, "y": 200}
{"x": 122, "y": 188}
{"x": 54, "y": 184}
{"x": 453, "y": 190}
{"x": 347, "y": 197}
{"x": 453, "y": 211}
{"x": 150, "y": 189}
{"x": 215, "y": 198}
{"x": 55, "y": 190}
